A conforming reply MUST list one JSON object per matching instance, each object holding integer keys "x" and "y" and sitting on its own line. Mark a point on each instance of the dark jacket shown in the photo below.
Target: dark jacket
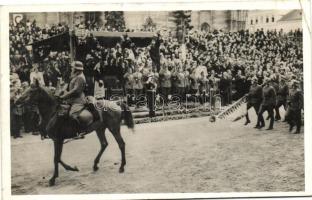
{"x": 282, "y": 93}
{"x": 269, "y": 96}
{"x": 255, "y": 94}
{"x": 295, "y": 100}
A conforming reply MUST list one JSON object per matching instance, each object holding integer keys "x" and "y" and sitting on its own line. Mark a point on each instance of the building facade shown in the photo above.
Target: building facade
{"x": 202, "y": 20}
{"x": 263, "y": 19}
{"x": 291, "y": 21}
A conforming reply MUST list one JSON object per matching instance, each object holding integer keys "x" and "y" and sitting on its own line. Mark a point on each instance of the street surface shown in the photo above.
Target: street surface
{"x": 189, "y": 155}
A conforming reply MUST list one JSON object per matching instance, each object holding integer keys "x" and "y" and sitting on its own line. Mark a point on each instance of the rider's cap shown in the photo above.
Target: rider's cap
{"x": 77, "y": 65}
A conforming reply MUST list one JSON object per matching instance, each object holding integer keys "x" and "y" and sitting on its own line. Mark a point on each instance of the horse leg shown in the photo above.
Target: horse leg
{"x": 58, "y": 146}
{"x": 101, "y": 135}
{"x": 68, "y": 167}
{"x": 122, "y": 146}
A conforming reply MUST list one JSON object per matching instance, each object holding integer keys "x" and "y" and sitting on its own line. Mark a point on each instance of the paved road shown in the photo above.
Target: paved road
{"x": 191, "y": 155}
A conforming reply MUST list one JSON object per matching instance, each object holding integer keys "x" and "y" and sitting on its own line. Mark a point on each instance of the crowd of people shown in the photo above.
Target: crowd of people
{"x": 225, "y": 62}
{"x": 23, "y": 69}
{"x": 205, "y": 63}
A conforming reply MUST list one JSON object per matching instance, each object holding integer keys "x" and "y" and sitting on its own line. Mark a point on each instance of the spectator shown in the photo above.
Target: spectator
{"x": 36, "y": 75}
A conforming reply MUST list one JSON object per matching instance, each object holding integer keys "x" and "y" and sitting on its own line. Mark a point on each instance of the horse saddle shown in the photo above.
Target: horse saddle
{"x": 86, "y": 116}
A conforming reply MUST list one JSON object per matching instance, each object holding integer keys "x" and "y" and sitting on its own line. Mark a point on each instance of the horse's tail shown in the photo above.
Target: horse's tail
{"x": 127, "y": 115}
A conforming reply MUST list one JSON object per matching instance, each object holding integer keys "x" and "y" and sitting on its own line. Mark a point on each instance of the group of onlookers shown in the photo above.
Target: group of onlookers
{"x": 205, "y": 64}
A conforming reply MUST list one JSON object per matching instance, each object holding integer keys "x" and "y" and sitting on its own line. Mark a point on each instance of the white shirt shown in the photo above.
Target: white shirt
{"x": 38, "y": 76}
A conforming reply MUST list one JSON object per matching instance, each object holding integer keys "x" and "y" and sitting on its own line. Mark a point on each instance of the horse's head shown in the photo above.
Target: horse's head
{"x": 33, "y": 95}
{"x": 39, "y": 96}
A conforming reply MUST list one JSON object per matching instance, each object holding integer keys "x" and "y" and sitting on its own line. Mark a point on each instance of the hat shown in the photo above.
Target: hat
{"x": 77, "y": 65}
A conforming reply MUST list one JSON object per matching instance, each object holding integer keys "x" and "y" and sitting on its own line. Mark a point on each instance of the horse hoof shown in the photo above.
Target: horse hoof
{"x": 95, "y": 168}
{"x": 51, "y": 182}
{"x": 121, "y": 170}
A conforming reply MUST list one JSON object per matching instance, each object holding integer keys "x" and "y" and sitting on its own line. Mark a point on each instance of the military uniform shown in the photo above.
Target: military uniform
{"x": 254, "y": 100}
{"x": 129, "y": 87}
{"x": 151, "y": 96}
{"x": 181, "y": 84}
{"x": 282, "y": 94}
{"x": 268, "y": 104}
{"x": 75, "y": 96}
{"x": 293, "y": 116}
{"x": 203, "y": 89}
{"x": 137, "y": 84}
{"x": 165, "y": 76}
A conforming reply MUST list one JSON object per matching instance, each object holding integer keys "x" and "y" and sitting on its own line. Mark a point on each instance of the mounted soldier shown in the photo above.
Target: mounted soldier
{"x": 59, "y": 127}
{"x": 76, "y": 98}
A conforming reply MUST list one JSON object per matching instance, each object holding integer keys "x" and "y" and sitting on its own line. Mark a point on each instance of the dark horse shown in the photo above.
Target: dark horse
{"x": 59, "y": 128}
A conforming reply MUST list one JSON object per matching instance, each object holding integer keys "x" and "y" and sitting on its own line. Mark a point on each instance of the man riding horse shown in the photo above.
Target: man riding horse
{"x": 59, "y": 127}
{"x": 76, "y": 98}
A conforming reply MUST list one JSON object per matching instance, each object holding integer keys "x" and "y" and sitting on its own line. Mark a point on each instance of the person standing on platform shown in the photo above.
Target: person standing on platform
{"x": 151, "y": 87}
{"x": 137, "y": 84}
{"x": 165, "y": 80}
{"x": 203, "y": 87}
{"x": 129, "y": 82}
{"x": 180, "y": 83}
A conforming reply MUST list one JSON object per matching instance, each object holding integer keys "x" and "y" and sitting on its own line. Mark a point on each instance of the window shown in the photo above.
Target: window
{"x": 251, "y": 22}
{"x": 267, "y": 20}
{"x": 272, "y": 19}
{"x": 256, "y": 21}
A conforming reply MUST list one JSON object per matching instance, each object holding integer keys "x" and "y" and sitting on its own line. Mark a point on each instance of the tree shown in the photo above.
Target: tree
{"x": 183, "y": 23}
{"x": 115, "y": 19}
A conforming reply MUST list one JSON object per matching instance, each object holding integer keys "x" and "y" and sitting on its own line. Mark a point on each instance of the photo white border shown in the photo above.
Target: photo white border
{"x": 153, "y": 6}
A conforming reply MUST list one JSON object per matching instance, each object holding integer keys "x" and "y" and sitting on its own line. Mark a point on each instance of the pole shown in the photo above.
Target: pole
{"x": 71, "y": 35}
{"x": 183, "y": 31}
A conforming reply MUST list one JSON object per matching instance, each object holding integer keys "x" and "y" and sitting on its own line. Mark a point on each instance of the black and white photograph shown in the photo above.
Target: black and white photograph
{"x": 156, "y": 101}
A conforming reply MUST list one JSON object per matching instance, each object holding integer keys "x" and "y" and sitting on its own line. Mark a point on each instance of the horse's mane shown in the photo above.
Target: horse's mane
{"x": 48, "y": 93}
